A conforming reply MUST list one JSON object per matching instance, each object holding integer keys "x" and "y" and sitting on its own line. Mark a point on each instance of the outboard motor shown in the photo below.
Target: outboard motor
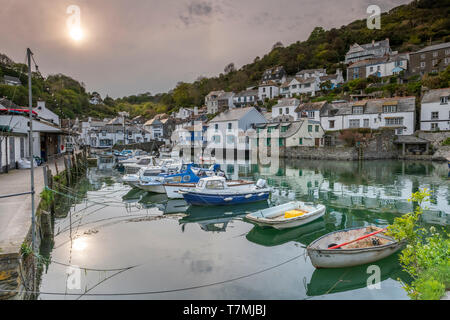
{"x": 261, "y": 183}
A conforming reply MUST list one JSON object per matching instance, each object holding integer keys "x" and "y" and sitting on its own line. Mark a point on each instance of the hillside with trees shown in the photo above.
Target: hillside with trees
{"x": 409, "y": 28}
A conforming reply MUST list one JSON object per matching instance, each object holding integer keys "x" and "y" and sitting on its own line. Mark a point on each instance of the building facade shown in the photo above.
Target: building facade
{"x": 435, "y": 110}
{"x": 431, "y": 59}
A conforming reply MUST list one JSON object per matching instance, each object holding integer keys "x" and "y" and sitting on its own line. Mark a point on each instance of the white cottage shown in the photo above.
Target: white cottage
{"x": 397, "y": 113}
{"x": 435, "y": 110}
{"x": 227, "y": 131}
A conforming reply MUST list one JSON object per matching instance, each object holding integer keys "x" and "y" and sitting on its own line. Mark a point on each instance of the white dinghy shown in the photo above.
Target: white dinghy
{"x": 288, "y": 215}
{"x": 351, "y": 247}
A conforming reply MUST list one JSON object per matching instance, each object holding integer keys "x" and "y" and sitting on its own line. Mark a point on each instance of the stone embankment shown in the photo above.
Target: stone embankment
{"x": 16, "y": 258}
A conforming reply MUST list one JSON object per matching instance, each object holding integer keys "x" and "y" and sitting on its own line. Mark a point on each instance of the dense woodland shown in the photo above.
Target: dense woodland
{"x": 408, "y": 27}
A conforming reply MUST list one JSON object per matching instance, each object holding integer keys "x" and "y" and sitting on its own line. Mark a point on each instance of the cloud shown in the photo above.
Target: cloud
{"x": 199, "y": 12}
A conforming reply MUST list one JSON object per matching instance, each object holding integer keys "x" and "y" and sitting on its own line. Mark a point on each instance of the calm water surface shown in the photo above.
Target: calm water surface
{"x": 128, "y": 241}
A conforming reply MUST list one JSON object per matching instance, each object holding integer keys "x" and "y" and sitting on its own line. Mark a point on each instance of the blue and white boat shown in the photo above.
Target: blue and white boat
{"x": 189, "y": 173}
{"x": 215, "y": 191}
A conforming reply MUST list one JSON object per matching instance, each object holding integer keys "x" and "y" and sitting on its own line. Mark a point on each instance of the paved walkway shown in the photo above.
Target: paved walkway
{"x": 15, "y": 212}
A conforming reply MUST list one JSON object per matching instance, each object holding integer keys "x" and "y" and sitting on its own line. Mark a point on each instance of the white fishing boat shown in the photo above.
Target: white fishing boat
{"x": 173, "y": 188}
{"x": 144, "y": 174}
{"x": 351, "y": 247}
{"x": 215, "y": 191}
{"x": 141, "y": 162}
{"x": 288, "y": 215}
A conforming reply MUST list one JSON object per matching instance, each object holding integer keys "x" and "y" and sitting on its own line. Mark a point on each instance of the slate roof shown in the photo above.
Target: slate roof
{"x": 434, "y": 47}
{"x": 435, "y": 95}
{"x": 287, "y": 102}
{"x": 311, "y": 106}
{"x": 232, "y": 114}
{"x": 371, "y": 106}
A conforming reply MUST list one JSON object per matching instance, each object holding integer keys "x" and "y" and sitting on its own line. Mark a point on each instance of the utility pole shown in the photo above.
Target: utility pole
{"x": 30, "y": 145}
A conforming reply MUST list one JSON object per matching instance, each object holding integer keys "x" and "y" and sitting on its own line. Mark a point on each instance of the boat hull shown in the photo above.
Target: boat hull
{"x": 203, "y": 199}
{"x": 290, "y": 224}
{"x": 342, "y": 258}
{"x": 155, "y": 188}
{"x": 173, "y": 188}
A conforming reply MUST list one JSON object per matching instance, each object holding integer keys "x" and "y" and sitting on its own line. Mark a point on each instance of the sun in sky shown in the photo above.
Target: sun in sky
{"x": 76, "y": 33}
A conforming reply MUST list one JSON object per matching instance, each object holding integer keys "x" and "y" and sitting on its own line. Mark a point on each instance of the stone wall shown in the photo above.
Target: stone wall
{"x": 145, "y": 146}
{"x": 378, "y": 145}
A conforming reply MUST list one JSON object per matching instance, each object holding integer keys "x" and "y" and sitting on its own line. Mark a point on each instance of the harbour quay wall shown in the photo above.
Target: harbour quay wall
{"x": 374, "y": 146}
{"x": 145, "y": 146}
{"x": 17, "y": 261}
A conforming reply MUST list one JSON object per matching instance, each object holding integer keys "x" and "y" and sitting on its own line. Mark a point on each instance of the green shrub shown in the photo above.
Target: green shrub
{"x": 426, "y": 256}
{"x": 446, "y": 142}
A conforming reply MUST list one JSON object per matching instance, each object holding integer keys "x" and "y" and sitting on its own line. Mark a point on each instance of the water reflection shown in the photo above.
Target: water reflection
{"x": 115, "y": 226}
{"x": 216, "y": 219}
{"x": 328, "y": 281}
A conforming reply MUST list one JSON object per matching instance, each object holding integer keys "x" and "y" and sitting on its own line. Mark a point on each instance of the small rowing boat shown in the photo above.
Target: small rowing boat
{"x": 288, "y": 215}
{"x": 351, "y": 247}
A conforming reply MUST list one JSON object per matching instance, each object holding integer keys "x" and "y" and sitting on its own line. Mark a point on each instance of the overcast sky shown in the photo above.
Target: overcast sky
{"x": 135, "y": 46}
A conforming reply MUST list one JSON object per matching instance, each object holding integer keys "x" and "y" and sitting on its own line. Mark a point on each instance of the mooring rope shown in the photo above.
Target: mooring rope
{"x": 169, "y": 290}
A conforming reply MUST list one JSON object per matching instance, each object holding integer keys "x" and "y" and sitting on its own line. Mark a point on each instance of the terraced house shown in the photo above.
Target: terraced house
{"x": 433, "y": 59}
{"x": 301, "y": 133}
{"x": 397, "y": 113}
{"x": 435, "y": 110}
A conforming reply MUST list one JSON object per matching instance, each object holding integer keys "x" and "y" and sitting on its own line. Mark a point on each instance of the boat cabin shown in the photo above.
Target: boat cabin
{"x": 212, "y": 183}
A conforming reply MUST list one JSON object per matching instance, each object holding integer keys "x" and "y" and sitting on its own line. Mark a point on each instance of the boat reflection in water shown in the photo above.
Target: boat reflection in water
{"x": 327, "y": 281}
{"x": 133, "y": 196}
{"x": 218, "y": 218}
{"x": 305, "y": 234}
{"x": 152, "y": 200}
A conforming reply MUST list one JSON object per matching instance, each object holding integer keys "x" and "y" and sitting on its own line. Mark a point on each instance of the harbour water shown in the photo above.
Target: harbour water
{"x": 129, "y": 244}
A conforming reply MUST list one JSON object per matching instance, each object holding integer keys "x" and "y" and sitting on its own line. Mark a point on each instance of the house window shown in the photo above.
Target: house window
{"x": 216, "y": 127}
{"x": 358, "y": 110}
{"x": 268, "y": 142}
{"x": 434, "y": 62}
{"x": 309, "y": 128}
{"x": 230, "y": 126}
{"x": 435, "y": 54}
{"x": 422, "y": 56}
{"x": 389, "y": 109}
{"x": 230, "y": 139}
{"x": 434, "y": 126}
{"x": 280, "y": 111}
{"x": 444, "y": 100}
{"x": 317, "y": 128}
{"x": 216, "y": 139}
{"x": 366, "y": 123}
{"x": 331, "y": 123}
{"x": 354, "y": 123}
{"x": 434, "y": 115}
{"x": 287, "y": 110}
{"x": 311, "y": 114}
{"x": 422, "y": 64}
{"x": 394, "y": 121}
{"x": 447, "y": 52}
{"x": 281, "y": 142}
{"x": 284, "y": 128}
{"x": 399, "y": 131}
{"x": 300, "y": 141}
{"x": 446, "y": 60}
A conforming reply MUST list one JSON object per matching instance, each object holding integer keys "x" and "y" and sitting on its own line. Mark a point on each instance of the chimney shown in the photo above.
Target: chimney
{"x": 373, "y": 42}
{"x": 41, "y": 105}
{"x": 196, "y": 111}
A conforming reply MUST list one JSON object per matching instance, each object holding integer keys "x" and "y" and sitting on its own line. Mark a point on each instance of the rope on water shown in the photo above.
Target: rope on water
{"x": 169, "y": 290}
